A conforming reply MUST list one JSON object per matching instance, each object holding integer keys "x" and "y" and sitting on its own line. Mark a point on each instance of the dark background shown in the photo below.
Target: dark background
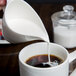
{"x": 51, "y": 1}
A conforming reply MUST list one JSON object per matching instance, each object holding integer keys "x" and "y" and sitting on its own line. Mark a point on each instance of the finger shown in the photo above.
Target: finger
{"x": 2, "y": 2}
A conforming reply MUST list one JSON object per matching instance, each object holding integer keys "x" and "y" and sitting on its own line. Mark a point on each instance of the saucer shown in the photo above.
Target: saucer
{"x": 2, "y": 40}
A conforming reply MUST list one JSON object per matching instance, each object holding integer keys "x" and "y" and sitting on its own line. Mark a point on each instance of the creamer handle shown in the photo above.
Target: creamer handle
{"x": 8, "y": 1}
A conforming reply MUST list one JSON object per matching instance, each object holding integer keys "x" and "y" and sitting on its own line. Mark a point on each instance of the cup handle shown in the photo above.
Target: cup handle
{"x": 73, "y": 73}
{"x": 72, "y": 56}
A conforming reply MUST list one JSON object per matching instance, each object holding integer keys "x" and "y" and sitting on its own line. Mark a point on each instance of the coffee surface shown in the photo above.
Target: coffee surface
{"x": 39, "y": 60}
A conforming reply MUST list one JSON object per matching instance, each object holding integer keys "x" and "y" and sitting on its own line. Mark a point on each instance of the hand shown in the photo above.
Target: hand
{"x": 2, "y": 4}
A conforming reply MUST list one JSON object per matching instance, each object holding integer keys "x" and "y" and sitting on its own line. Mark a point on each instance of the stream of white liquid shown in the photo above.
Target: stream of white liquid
{"x": 48, "y": 50}
{"x": 54, "y": 63}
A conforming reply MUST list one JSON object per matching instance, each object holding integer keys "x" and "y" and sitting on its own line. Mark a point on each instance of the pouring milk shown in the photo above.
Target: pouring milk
{"x": 21, "y": 24}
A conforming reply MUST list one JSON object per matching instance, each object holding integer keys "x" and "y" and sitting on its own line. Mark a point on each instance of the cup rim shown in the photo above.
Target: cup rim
{"x": 37, "y": 68}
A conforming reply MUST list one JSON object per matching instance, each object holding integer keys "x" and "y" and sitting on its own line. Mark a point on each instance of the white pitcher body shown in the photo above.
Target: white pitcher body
{"x": 21, "y": 23}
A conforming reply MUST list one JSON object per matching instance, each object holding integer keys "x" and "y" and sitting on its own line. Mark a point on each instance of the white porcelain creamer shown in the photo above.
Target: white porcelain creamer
{"x": 21, "y": 23}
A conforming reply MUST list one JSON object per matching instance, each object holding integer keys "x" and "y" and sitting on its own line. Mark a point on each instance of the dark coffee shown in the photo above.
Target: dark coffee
{"x": 38, "y": 60}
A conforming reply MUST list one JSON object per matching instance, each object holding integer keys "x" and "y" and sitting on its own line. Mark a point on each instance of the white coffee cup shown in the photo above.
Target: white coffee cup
{"x": 21, "y": 23}
{"x": 41, "y": 48}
